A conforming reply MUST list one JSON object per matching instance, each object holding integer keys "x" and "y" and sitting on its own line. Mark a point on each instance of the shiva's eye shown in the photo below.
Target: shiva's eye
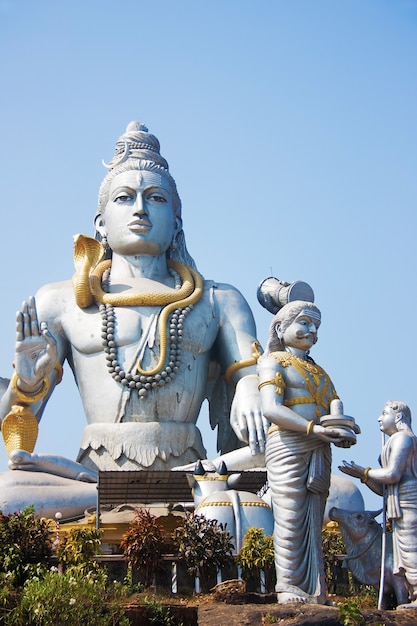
{"x": 123, "y": 198}
{"x": 157, "y": 198}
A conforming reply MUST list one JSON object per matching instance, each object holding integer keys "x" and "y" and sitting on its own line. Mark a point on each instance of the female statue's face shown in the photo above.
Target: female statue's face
{"x": 139, "y": 215}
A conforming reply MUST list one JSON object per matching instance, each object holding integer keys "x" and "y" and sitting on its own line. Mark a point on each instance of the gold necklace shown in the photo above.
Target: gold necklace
{"x": 317, "y": 373}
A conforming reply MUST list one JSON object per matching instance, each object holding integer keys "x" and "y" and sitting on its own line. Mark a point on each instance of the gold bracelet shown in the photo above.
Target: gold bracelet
{"x": 310, "y": 427}
{"x": 26, "y": 398}
{"x": 365, "y": 476}
{"x": 237, "y": 365}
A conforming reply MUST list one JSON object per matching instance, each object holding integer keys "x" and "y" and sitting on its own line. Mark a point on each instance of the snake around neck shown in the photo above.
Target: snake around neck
{"x": 176, "y": 309}
{"x": 91, "y": 283}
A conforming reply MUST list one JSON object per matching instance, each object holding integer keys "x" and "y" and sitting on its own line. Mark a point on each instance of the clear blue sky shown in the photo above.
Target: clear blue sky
{"x": 290, "y": 127}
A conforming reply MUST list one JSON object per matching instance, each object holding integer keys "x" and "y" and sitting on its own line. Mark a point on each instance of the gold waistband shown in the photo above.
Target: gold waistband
{"x": 298, "y": 400}
{"x": 274, "y": 428}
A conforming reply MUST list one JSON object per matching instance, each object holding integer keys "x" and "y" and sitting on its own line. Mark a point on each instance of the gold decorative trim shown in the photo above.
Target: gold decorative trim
{"x": 228, "y": 503}
{"x": 29, "y": 398}
{"x": 310, "y": 427}
{"x": 59, "y": 373}
{"x": 278, "y": 381}
{"x": 317, "y": 381}
{"x": 237, "y": 365}
{"x": 210, "y": 477}
{"x": 365, "y": 476}
{"x": 274, "y": 428}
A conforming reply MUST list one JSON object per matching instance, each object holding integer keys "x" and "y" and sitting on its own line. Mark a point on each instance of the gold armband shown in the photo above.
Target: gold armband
{"x": 278, "y": 381}
{"x": 238, "y": 365}
{"x": 29, "y": 398}
{"x": 19, "y": 429}
{"x": 310, "y": 427}
{"x": 365, "y": 477}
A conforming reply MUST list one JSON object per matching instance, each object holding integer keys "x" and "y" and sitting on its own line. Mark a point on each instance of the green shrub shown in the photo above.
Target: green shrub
{"x": 204, "y": 545}
{"x": 349, "y": 614}
{"x": 77, "y": 551}
{"x": 257, "y": 552}
{"x": 67, "y": 600}
{"x": 25, "y": 546}
{"x": 142, "y": 545}
{"x": 158, "y": 613}
{"x": 333, "y": 548}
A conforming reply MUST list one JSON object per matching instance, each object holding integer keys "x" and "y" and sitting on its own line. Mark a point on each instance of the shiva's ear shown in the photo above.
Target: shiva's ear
{"x": 178, "y": 225}
{"x": 177, "y": 229}
{"x": 99, "y": 225}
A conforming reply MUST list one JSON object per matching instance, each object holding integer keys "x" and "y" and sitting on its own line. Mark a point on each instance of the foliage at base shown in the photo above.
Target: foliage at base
{"x": 159, "y": 614}
{"x": 64, "y": 599}
{"x": 257, "y": 553}
{"x": 349, "y": 614}
{"x": 25, "y": 546}
{"x": 77, "y": 551}
{"x": 142, "y": 544}
{"x": 204, "y": 545}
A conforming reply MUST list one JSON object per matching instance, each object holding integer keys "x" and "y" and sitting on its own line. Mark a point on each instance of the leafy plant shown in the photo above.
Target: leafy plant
{"x": 142, "y": 544}
{"x": 349, "y": 614}
{"x": 78, "y": 549}
{"x": 25, "y": 546}
{"x": 64, "y": 599}
{"x": 204, "y": 545}
{"x": 257, "y": 552}
{"x": 158, "y": 613}
{"x": 129, "y": 584}
{"x": 333, "y": 548}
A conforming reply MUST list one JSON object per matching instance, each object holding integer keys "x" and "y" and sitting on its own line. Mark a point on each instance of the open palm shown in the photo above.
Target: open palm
{"x": 36, "y": 351}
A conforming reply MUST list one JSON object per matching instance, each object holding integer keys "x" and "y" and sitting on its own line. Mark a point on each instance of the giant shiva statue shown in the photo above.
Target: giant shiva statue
{"x": 146, "y": 337}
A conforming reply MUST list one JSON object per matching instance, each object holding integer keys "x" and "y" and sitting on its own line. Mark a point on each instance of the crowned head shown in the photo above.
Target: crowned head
{"x": 138, "y": 149}
{"x": 285, "y": 317}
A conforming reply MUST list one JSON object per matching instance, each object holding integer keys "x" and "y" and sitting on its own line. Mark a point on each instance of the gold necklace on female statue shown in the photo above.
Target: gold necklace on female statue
{"x": 176, "y": 310}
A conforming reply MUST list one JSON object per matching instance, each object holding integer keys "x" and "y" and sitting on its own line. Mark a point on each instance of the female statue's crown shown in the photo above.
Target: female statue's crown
{"x": 137, "y": 143}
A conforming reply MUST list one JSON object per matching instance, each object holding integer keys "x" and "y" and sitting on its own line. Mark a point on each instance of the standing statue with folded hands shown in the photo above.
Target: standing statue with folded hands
{"x": 398, "y": 472}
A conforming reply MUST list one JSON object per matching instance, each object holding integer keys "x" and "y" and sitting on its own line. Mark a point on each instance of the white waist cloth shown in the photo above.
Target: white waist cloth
{"x": 140, "y": 445}
{"x": 299, "y": 477}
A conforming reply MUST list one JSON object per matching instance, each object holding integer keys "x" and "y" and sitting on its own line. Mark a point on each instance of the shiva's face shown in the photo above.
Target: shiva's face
{"x": 139, "y": 217}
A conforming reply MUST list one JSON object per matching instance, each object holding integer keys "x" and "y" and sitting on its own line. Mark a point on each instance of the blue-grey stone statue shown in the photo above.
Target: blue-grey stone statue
{"x": 147, "y": 339}
{"x": 296, "y": 395}
{"x": 398, "y": 472}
